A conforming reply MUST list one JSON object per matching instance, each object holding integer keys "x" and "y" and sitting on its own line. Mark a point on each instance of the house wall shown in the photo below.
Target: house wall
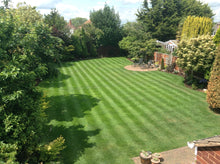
{"x": 208, "y": 155}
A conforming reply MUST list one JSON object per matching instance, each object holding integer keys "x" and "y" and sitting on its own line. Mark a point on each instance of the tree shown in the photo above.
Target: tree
{"x": 138, "y": 43}
{"x": 26, "y": 49}
{"x": 195, "y": 26}
{"x": 109, "y": 22}
{"x": 55, "y": 20}
{"x": 163, "y": 17}
{"x": 217, "y": 37}
{"x": 6, "y": 3}
{"x": 196, "y": 57}
{"x": 78, "y": 21}
{"x": 213, "y": 93}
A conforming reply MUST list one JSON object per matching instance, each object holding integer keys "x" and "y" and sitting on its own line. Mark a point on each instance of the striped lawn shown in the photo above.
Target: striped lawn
{"x": 108, "y": 114}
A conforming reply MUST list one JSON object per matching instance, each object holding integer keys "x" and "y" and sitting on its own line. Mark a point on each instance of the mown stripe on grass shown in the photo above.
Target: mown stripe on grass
{"x": 115, "y": 108}
{"x": 179, "y": 117}
{"x": 141, "y": 115}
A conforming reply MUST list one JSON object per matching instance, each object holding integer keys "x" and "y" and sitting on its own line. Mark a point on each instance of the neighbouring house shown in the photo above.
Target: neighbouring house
{"x": 207, "y": 150}
{"x": 170, "y": 45}
{"x": 86, "y": 22}
{"x": 71, "y": 27}
{"x": 215, "y": 28}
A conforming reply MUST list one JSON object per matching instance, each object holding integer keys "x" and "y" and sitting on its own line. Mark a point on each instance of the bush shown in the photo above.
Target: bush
{"x": 216, "y": 38}
{"x": 51, "y": 151}
{"x": 171, "y": 67}
{"x": 162, "y": 64}
{"x": 196, "y": 57}
{"x": 213, "y": 93}
{"x": 7, "y": 153}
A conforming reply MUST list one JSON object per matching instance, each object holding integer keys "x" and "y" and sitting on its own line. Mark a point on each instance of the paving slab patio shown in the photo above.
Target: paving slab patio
{"x": 183, "y": 155}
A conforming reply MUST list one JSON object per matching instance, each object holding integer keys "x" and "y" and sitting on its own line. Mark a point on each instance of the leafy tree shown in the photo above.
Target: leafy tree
{"x": 217, "y": 37}
{"x": 109, "y": 22}
{"x": 86, "y": 41}
{"x": 162, "y": 17}
{"x": 195, "y": 26}
{"x": 26, "y": 47}
{"x": 196, "y": 57}
{"x": 55, "y": 20}
{"x": 61, "y": 30}
{"x": 213, "y": 93}
{"x": 138, "y": 43}
{"x": 78, "y": 21}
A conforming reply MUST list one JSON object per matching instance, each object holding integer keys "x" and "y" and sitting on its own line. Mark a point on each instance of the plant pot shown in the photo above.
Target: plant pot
{"x": 145, "y": 159}
{"x": 157, "y": 155}
{"x": 155, "y": 160}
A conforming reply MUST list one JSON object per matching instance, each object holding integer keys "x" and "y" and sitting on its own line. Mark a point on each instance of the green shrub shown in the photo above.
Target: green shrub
{"x": 162, "y": 64}
{"x": 51, "y": 151}
{"x": 216, "y": 38}
{"x": 213, "y": 93}
{"x": 8, "y": 153}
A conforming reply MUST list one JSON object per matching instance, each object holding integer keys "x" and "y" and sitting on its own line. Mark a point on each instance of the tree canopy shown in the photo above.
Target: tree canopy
{"x": 162, "y": 17}
{"x": 55, "y": 20}
{"x": 109, "y": 22}
{"x": 78, "y": 21}
{"x": 138, "y": 43}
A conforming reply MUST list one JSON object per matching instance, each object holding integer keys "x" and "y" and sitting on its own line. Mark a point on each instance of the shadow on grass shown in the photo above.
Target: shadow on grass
{"x": 62, "y": 115}
{"x": 55, "y": 82}
{"x": 216, "y": 111}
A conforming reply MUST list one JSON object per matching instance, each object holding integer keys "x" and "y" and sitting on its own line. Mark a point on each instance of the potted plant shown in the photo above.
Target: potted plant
{"x": 145, "y": 157}
{"x": 156, "y": 64}
{"x": 157, "y": 155}
{"x": 155, "y": 160}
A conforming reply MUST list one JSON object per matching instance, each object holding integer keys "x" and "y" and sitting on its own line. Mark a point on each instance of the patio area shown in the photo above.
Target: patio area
{"x": 183, "y": 155}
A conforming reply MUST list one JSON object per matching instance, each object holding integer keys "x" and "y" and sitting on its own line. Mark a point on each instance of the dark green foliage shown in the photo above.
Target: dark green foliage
{"x": 163, "y": 17}
{"x": 61, "y": 30}
{"x": 7, "y": 153}
{"x": 78, "y": 21}
{"x": 213, "y": 93}
{"x": 137, "y": 42}
{"x": 6, "y": 3}
{"x": 162, "y": 64}
{"x": 55, "y": 20}
{"x": 86, "y": 41}
{"x": 24, "y": 57}
{"x": 109, "y": 22}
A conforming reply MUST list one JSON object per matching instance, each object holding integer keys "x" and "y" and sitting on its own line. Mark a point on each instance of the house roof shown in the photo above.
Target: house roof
{"x": 208, "y": 142}
{"x": 70, "y": 25}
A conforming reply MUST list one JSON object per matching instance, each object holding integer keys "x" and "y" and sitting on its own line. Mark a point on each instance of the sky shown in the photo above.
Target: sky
{"x": 81, "y": 8}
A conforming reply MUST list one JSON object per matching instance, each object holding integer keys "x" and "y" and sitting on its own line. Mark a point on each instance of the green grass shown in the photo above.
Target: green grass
{"x": 108, "y": 114}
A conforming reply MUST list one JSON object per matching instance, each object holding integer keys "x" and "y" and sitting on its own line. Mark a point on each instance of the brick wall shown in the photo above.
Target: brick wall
{"x": 208, "y": 155}
{"x": 158, "y": 58}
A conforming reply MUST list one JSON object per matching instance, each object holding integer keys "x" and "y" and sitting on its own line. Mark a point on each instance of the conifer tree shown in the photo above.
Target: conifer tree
{"x": 217, "y": 37}
{"x": 162, "y": 17}
{"x": 213, "y": 94}
{"x": 195, "y": 26}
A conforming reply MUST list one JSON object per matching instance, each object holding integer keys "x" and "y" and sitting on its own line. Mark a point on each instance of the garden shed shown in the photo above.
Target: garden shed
{"x": 207, "y": 150}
